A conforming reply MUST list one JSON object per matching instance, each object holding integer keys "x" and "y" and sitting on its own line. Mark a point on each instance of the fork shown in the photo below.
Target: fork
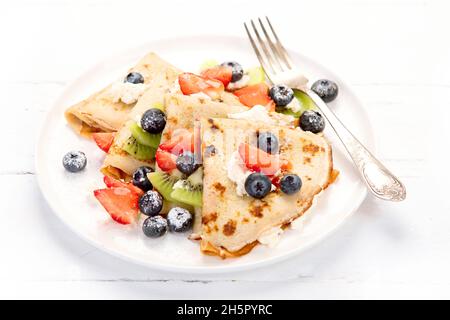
{"x": 280, "y": 69}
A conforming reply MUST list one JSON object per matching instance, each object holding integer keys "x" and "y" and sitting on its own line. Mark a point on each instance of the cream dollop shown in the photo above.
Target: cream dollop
{"x": 237, "y": 173}
{"x": 127, "y": 92}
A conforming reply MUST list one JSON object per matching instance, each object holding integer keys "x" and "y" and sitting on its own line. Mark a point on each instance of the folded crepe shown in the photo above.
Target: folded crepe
{"x": 184, "y": 112}
{"x": 107, "y": 110}
{"x": 233, "y": 224}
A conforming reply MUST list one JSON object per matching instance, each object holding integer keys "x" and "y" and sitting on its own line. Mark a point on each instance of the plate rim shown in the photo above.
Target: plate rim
{"x": 170, "y": 267}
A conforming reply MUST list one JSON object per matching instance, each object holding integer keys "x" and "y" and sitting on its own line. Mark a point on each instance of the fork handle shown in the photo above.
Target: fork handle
{"x": 378, "y": 178}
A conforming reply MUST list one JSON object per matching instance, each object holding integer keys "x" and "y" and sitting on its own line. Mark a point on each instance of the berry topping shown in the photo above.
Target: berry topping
{"x": 326, "y": 89}
{"x": 103, "y": 140}
{"x": 290, "y": 183}
{"x": 154, "y": 227}
{"x": 258, "y": 160}
{"x": 268, "y": 142}
{"x": 120, "y": 203}
{"x": 182, "y": 141}
{"x": 257, "y": 94}
{"x": 281, "y": 94}
{"x": 134, "y": 77}
{"x": 186, "y": 162}
{"x": 312, "y": 121}
{"x": 179, "y": 219}
{"x": 165, "y": 160}
{"x": 153, "y": 120}
{"x": 221, "y": 73}
{"x": 74, "y": 161}
{"x": 257, "y": 185}
{"x": 236, "y": 69}
{"x": 113, "y": 183}
{"x": 191, "y": 83}
{"x": 150, "y": 203}
{"x": 140, "y": 178}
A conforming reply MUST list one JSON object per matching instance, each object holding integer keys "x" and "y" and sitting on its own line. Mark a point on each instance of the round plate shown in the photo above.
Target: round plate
{"x": 71, "y": 197}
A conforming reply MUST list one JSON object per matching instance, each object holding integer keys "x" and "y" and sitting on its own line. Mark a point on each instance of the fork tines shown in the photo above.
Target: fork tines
{"x": 271, "y": 54}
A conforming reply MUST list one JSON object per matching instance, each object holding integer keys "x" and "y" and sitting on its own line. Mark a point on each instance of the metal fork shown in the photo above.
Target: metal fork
{"x": 280, "y": 69}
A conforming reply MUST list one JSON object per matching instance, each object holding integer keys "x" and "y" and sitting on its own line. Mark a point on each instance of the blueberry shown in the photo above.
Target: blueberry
{"x": 237, "y": 70}
{"x": 257, "y": 185}
{"x": 290, "y": 183}
{"x": 268, "y": 142}
{"x": 281, "y": 94}
{"x": 74, "y": 161}
{"x": 312, "y": 121}
{"x": 150, "y": 203}
{"x": 326, "y": 89}
{"x": 153, "y": 120}
{"x": 140, "y": 178}
{"x": 154, "y": 227}
{"x": 179, "y": 219}
{"x": 186, "y": 163}
{"x": 134, "y": 77}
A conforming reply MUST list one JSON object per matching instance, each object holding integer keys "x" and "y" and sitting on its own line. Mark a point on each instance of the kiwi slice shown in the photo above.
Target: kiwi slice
{"x": 159, "y": 105}
{"x": 304, "y": 100}
{"x": 138, "y": 150}
{"x": 164, "y": 183}
{"x": 190, "y": 190}
{"x": 256, "y": 75}
{"x": 143, "y": 137}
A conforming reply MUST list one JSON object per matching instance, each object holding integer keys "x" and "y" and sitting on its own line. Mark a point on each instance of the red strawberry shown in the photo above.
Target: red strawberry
{"x": 255, "y": 94}
{"x": 191, "y": 83}
{"x": 258, "y": 160}
{"x": 120, "y": 203}
{"x": 182, "y": 141}
{"x": 221, "y": 73}
{"x": 166, "y": 161}
{"x": 113, "y": 183}
{"x": 104, "y": 140}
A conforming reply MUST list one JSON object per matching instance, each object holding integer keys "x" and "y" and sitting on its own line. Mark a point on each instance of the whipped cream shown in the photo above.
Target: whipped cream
{"x": 126, "y": 92}
{"x": 257, "y": 113}
{"x": 294, "y": 105}
{"x": 239, "y": 84}
{"x": 238, "y": 173}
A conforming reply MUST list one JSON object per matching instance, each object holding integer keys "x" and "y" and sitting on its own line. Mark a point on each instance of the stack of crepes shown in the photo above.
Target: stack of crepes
{"x": 228, "y": 224}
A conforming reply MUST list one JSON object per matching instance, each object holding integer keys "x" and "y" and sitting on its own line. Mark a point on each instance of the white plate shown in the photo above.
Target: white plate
{"x": 70, "y": 195}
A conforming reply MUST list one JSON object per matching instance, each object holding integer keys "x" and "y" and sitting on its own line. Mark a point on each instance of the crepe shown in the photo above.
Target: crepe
{"x": 102, "y": 112}
{"x": 232, "y": 223}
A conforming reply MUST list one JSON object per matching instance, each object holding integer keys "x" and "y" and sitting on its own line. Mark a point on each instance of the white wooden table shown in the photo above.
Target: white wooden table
{"x": 393, "y": 53}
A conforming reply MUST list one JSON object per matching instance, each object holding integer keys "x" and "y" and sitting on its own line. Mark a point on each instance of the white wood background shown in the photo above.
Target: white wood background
{"x": 395, "y": 54}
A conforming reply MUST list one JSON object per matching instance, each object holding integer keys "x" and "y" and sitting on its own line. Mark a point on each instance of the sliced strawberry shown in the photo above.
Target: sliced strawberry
{"x": 166, "y": 161}
{"x": 120, "y": 203}
{"x": 191, "y": 83}
{"x": 258, "y": 160}
{"x": 254, "y": 94}
{"x": 181, "y": 141}
{"x": 104, "y": 140}
{"x": 221, "y": 73}
{"x": 113, "y": 183}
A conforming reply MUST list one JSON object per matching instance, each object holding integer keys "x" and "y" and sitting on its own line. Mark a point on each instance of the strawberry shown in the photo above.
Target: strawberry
{"x": 191, "y": 83}
{"x": 121, "y": 203}
{"x": 113, "y": 183}
{"x": 255, "y": 94}
{"x": 182, "y": 141}
{"x": 104, "y": 140}
{"x": 258, "y": 160}
{"x": 166, "y": 161}
{"x": 221, "y": 73}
